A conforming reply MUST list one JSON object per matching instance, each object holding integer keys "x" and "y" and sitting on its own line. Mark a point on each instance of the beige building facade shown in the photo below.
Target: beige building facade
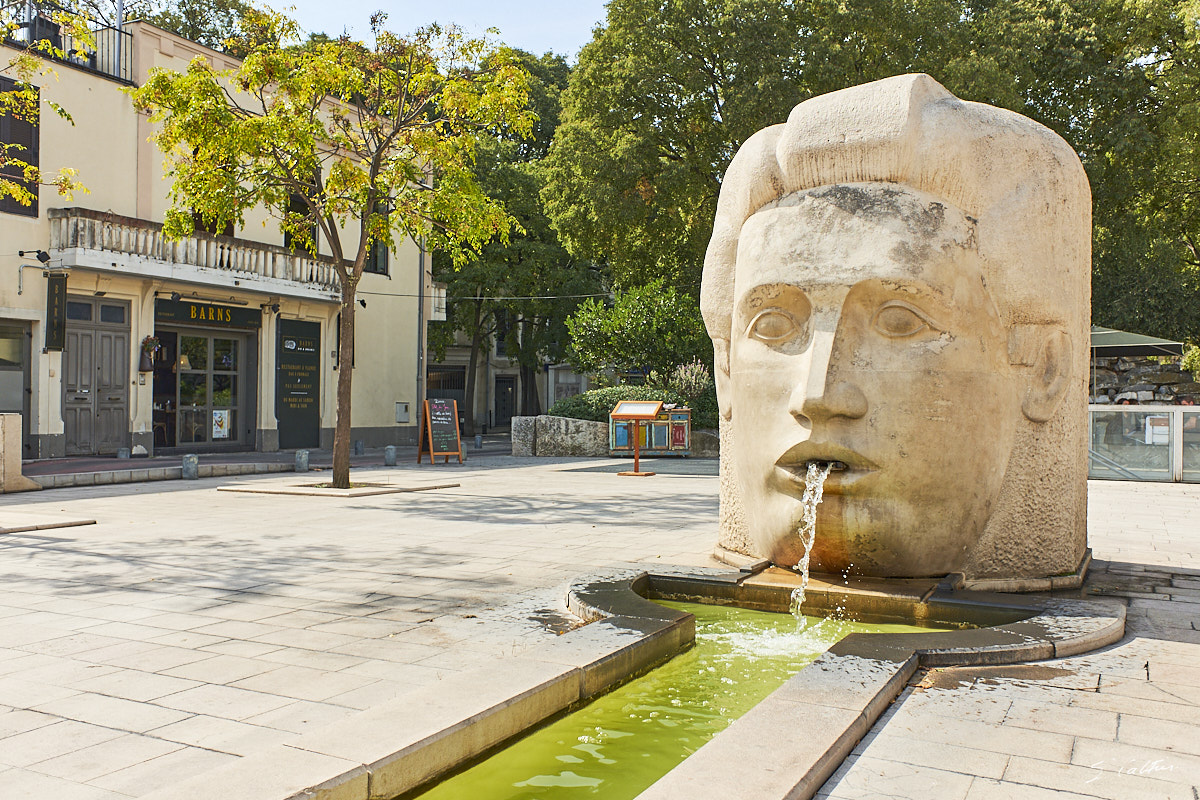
{"x": 113, "y": 336}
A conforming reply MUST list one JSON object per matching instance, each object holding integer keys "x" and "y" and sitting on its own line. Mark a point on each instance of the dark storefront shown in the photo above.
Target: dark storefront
{"x": 205, "y": 375}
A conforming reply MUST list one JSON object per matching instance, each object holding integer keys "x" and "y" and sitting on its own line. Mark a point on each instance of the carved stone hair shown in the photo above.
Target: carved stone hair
{"x": 988, "y": 162}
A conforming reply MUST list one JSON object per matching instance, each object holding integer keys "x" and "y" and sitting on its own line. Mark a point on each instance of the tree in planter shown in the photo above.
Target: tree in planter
{"x": 378, "y": 136}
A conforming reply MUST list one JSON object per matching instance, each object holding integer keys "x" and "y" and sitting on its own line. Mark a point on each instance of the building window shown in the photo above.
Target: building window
{"x": 503, "y": 330}
{"x": 210, "y": 226}
{"x": 377, "y": 255}
{"x": 19, "y": 138}
{"x": 377, "y": 259}
{"x": 297, "y": 207}
{"x": 447, "y": 383}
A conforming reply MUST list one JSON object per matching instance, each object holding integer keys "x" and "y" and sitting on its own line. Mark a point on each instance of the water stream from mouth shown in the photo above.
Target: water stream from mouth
{"x": 814, "y": 487}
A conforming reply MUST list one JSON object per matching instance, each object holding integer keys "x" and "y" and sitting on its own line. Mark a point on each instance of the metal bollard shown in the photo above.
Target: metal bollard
{"x": 359, "y": 447}
{"x": 191, "y": 468}
{"x": 389, "y": 455}
{"x": 301, "y": 461}
{"x": 479, "y": 441}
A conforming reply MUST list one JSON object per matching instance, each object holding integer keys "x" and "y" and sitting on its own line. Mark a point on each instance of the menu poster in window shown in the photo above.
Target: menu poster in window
{"x": 220, "y": 420}
{"x": 439, "y": 431}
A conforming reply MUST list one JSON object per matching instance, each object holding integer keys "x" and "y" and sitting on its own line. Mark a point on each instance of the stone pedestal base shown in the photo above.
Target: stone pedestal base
{"x": 11, "y": 479}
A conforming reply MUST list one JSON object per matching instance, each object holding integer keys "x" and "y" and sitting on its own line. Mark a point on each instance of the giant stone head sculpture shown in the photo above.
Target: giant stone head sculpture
{"x": 898, "y": 283}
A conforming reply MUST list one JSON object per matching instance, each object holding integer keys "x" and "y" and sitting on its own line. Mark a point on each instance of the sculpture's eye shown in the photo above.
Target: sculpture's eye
{"x": 773, "y": 326}
{"x": 898, "y": 320}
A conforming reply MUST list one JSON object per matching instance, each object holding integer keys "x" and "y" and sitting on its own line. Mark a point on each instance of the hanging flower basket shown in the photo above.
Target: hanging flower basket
{"x": 150, "y": 347}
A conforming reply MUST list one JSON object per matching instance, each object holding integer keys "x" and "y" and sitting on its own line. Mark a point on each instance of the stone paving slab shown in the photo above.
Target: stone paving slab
{"x": 1122, "y": 722}
{"x": 190, "y": 628}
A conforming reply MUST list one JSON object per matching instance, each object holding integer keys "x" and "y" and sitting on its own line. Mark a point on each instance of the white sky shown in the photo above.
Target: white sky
{"x": 563, "y": 26}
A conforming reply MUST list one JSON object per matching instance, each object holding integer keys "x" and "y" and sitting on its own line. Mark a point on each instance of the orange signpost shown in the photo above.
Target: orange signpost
{"x": 636, "y": 411}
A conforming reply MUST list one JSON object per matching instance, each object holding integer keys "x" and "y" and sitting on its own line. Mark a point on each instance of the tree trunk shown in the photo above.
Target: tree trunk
{"x": 341, "y": 432}
{"x": 531, "y": 398}
{"x": 472, "y": 369}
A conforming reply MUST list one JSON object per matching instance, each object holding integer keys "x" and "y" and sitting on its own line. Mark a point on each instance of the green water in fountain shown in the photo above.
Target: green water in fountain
{"x": 617, "y": 745}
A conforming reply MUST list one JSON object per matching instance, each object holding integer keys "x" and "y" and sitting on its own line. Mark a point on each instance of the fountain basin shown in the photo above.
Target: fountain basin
{"x": 815, "y": 719}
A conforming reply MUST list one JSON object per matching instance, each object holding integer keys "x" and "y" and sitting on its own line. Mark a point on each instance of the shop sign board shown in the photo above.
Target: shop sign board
{"x": 298, "y": 384}
{"x": 56, "y": 311}
{"x": 191, "y": 312}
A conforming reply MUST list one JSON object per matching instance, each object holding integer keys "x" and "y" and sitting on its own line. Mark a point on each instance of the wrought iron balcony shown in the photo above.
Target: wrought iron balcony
{"x": 112, "y": 243}
{"x": 110, "y": 53}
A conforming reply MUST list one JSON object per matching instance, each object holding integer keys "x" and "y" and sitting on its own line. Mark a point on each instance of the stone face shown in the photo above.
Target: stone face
{"x": 898, "y": 281}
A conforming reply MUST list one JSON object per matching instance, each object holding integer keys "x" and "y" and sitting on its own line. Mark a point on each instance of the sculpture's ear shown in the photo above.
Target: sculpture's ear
{"x": 1047, "y": 351}
{"x": 721, "y": 377}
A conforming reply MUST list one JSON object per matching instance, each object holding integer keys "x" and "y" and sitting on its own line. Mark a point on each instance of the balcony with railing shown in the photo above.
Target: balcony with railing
{"x": 110, "y": 52}
{"x": 107, "y": 242}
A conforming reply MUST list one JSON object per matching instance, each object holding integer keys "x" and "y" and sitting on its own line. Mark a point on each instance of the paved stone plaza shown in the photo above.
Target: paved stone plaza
{"x": 190, "y": 627}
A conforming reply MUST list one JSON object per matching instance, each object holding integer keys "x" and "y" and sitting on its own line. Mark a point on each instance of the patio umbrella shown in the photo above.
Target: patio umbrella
{"x": 1107, "y": 342}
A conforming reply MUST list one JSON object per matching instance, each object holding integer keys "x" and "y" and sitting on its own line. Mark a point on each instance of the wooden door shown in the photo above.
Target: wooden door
{"x": 79, "y": 390}
{"x": 95, "y": 377}
{"x": 112, "y": 390}
{"x": 506, "y": 400}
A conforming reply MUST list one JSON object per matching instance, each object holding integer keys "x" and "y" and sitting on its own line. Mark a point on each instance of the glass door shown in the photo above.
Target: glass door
{"x": 209, "y": 380}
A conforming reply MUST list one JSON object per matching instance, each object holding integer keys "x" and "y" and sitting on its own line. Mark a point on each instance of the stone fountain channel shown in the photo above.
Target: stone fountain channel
{"x": 784, "y": 747}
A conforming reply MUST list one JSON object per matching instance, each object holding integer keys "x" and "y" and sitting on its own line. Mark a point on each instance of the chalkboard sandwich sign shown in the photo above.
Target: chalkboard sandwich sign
{"x": 439, "y": 431}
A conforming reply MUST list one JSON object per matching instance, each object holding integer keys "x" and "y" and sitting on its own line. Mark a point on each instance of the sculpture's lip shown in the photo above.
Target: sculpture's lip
{"x": 849, "y": 467}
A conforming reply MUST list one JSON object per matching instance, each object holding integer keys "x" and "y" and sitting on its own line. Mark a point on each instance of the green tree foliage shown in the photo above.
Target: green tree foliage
{"x": 596, "y": 404}
{"x": 378, "y": 137}
{"x": 212, "y": 23}
{"x": 32, "y": 62}
{"x": 649, "y": 327}
{"x": 520, "y": 290}
{"x": 669, "y": 89}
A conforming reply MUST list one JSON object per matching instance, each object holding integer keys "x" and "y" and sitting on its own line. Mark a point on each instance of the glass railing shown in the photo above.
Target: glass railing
{"x": 1144, "y": 443}
{"x": 1191, "y": 446}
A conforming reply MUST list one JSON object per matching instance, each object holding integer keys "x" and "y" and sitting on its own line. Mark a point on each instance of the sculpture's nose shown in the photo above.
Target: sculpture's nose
{"x": 821, "y": 392}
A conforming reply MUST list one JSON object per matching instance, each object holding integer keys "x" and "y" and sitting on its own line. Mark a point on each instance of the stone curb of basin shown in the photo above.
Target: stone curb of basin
{"x": 318, "y": 490}
{"x": 816, "y": 719}
{"x": 402, "y": 745}
{"x": 142, "y": 475}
